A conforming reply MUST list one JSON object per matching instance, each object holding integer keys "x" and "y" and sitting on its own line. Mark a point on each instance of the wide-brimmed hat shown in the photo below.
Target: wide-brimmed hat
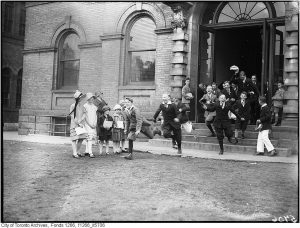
{"x": 105, "y": 108}
{"x": 234, "y": 67}
{"x": 117, "y": 106}
{"x": 77, "y": 94}
{"x": 89, "y": 96}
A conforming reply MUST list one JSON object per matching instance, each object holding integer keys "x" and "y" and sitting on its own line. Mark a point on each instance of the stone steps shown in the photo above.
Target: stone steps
{"x": 204, "y": 139}
{"x": 214, "y": 147}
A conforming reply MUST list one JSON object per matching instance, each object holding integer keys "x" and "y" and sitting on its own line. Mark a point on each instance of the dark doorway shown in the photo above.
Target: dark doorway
{"x": 238, "y": 46}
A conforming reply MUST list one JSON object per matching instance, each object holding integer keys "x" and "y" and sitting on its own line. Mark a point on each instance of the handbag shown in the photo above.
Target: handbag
{"x": 120, "y": 124}
{"x": 188, "y": 127}
{"x": 80, "y": 130}
{"x": 107, "y": 124}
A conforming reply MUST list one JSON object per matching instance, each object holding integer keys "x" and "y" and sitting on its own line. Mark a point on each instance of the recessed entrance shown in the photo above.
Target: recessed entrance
{"x": 237, "y": 46}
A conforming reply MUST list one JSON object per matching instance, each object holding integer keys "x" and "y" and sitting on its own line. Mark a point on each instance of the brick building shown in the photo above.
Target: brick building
{"x": 13, "y": 31}
{"x": 144, "y": 49}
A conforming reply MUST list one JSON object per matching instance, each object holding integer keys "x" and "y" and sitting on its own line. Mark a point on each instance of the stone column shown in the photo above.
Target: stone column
{"x": 179, "y": 61}
{"x": 290, "y": 109}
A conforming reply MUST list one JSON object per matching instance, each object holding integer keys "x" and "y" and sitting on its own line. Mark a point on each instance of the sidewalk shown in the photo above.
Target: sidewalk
{"x": 145, "y": 147}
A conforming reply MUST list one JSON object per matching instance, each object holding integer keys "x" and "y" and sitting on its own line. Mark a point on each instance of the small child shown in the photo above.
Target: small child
{"x": 118, "y": 128}
{"x": 90, "y": 122}
{"x": 243, "y": 109}
{"x": 104, "y": 129}
{"x": 277, "y": 101}
{"x": 125, "y": 114}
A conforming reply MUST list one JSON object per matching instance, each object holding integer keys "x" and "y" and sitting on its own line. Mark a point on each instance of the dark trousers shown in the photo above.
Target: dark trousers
{"x": 241, "y": 125}
{"x": 209, "y": 125}
{"x": 224, "y": 127}
{"x": 255, "y": 110}
{"x": 176, "y": 136}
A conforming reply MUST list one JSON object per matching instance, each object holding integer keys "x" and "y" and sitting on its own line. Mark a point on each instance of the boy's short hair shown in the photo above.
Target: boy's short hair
{"x": 187, "y": 79}
{"x": 213, "y": 83}
{"x": 262, "y": 99}
{"x": 244, "y": 93}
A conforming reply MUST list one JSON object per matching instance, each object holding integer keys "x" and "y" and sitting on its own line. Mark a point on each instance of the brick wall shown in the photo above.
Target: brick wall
{"x": 101, "y": 57}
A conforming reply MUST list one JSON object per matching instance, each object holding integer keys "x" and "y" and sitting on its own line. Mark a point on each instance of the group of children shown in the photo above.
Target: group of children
{"x": 94, "y": 124}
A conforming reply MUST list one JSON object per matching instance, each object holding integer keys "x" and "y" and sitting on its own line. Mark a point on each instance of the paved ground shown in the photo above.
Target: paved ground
{"x": 42, "y": 182}
{"x": 145, "y": 147}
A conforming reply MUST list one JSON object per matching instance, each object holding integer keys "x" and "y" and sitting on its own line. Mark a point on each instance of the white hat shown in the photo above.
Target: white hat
{"x": 117, "y": 106}
{"x": 77, "y": 94}
{"x": 234, "y": 67}
{"x": 89, "y": 96}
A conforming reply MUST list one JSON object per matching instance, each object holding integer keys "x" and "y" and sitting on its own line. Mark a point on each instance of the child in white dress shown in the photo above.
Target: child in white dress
{"x": 90, "y": 122}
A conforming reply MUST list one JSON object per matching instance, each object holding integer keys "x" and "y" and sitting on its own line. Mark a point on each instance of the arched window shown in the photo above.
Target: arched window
{"x": 5, "y": 86}
{"x": 141, "y": 41}
{"x": 241, "y": 11}
{"x": 68, "y": 61}
{"x": 19, "y": 89}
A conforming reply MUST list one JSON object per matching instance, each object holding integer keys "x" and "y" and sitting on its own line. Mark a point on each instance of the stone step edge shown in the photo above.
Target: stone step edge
{"x": 215, "y": 144}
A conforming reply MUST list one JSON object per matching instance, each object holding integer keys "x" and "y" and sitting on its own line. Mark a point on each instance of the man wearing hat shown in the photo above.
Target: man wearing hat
{"x": 77, "y": 120}
{"x": 136, "y": 124}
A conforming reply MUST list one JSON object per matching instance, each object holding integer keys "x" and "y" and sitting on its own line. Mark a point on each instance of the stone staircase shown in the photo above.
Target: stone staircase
{"x": 284, "y": 139}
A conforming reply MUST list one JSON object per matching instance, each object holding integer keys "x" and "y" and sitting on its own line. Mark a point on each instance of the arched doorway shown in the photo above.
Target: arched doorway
{"x": 247, "y": 34}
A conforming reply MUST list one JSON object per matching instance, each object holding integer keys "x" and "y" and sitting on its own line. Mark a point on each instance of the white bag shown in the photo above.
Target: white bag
{"x": 80, "y": 130}
{"x": 188, "y": 127}
{"x": 107, "y": 124}
{"x": 231, "y": 116}
{"x": 120, "y": 124}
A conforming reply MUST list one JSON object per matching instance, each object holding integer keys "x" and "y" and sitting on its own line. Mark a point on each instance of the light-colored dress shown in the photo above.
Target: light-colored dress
{"x": 80, "y": 111}
{"x": 91, "y": 118}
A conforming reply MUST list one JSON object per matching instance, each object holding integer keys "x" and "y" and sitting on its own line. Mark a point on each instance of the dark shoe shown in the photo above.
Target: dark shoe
{"x": 243, "y": 136}
{"x": 81, "y": 155}
{"x": 277, "y": 124}
{"x": 221, "y": 152}
{"x": 86, "y": 154}
{"x": 129, "y": 157}
{"x": 212, "y": 135}
{"x": 259, "y": 153}
{"x": 175, "y": 146}
{"x": 156, "y": 131}
{"x": 179, "y": 151}
{"x": 272, "y": 153}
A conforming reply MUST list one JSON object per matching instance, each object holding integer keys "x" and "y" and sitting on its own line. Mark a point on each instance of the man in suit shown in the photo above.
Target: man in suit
{"x": 171, "y": 126}
{"x": 229, "y": 93}
{"x": 222, "y": 121}
{"x": 136, "y": 124}
{"x": 255, "y": 108}
{"x": 209, "y": 98}
{"x": 245, "y": 84}
{"x": 263, "y": 135}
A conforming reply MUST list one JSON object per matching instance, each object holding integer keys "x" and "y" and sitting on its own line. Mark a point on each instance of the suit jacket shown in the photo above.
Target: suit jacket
{"x": 222, "y": 119}
{"x": 231, "y": 95}
{"x": 265, "y": 118}
{"x": 134, "y": 119}
{"x": 246, "y": 86}
{"x": 183, "y": 117}
{"x": 169, "y": 113}
{"x": 243, "y": 111}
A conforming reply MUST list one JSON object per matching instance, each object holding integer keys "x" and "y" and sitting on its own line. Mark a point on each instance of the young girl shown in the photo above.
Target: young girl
{"x": 104, "y": 127}
{"x": 90, "y": 122}
{"x": 118, "y": 128}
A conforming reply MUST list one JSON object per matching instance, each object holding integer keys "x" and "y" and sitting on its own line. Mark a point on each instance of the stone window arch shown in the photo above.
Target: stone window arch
{"x": 6, "y": 77}
{"x": 68, "y": 60}
{"x": 140, "y": 54}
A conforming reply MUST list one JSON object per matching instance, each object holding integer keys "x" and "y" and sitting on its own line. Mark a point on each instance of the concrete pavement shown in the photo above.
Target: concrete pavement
{"x": 145, "y": 147}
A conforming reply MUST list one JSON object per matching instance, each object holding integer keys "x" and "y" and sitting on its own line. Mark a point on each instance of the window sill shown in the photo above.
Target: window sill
{"x": 63, "y": 90}
{"x": 137, "y": 87}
